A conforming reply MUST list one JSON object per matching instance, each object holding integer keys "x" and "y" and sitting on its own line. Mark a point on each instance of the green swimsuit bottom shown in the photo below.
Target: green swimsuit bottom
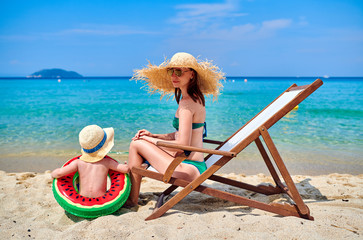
{"x": 201, "y": 166}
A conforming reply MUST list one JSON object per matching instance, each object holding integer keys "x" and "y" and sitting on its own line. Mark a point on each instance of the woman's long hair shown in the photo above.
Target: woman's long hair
{"x": 193, "y": 90}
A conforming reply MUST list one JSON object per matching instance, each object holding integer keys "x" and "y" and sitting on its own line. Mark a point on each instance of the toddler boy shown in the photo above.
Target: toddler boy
{"x": 92, "y": 166}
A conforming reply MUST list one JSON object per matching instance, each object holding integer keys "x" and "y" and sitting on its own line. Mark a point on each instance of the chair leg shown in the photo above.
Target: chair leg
{"x": 283, "y": 170}
{"x": 267, "y": 190}
{"x": 268, "y": 162}
{"x": 278, "y": 208}
{"x": 188, "y": 188}
{"x": 281, "y": 209}
{"x": 161, "y": 198}
{"x": 170, "y": 203}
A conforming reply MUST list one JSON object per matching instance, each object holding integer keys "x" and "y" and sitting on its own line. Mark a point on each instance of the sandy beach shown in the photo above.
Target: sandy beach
{"x": 29, "y": 210}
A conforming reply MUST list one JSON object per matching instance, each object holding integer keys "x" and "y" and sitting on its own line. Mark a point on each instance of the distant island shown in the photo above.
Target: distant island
{"x": 55, "y": 73}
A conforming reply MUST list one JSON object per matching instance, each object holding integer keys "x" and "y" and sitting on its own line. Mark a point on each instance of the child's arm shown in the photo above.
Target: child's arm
{"x": 60, "y": 172}
{"x": 124, "y": 168}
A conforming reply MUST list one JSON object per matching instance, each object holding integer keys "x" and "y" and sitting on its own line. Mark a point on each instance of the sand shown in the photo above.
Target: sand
{"x": 29, "y": 211}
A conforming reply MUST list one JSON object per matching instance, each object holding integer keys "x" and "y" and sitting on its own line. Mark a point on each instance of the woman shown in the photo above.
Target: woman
{"x": 188, "y": 79}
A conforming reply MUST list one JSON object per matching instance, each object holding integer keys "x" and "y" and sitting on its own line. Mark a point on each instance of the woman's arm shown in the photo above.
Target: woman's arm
{"x": 167, "y": 136}
{"x": 144, "y": 132}
{"x": 184, "y": 135}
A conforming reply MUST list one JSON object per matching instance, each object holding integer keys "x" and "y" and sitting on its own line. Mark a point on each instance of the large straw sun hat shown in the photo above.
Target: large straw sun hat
{"x": 158, "y": 80}
{"x": 95, "y": 142}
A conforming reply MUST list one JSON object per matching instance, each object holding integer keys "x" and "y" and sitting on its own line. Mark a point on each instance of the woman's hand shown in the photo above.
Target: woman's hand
{"x": 141, "y": 133}
{"x": 150, "y": 139}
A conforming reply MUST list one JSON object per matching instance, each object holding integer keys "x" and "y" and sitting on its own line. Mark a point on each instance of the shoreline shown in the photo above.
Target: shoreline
{"x": 240, "y": 165}
{"x": 29, "y": 210}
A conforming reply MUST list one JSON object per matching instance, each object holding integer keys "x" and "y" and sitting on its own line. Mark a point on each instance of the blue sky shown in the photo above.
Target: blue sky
{"x": 244, "y": 38}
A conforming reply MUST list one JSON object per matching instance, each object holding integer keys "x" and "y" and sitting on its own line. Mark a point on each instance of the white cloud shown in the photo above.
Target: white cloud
{"x": 206, "y": 11}
{"x": 243, "y": 32}
{"x": 275, "y": 24}
{"x": 83, "y": 30}
{"x": 103, "y": 30}
{"x": 234, "y": 33}
{"x": 270, "y": 27}
{"x": 222, "y": 21}
{"x": 200, "y": 14}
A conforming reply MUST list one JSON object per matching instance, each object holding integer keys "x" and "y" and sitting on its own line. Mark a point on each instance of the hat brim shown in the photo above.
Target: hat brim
{"x": 101, "y": 153}
{"x": 157, "y": 79}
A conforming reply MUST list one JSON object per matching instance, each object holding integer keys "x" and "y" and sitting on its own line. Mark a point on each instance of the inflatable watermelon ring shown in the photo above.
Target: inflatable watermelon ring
{"x": 65, "y": 191}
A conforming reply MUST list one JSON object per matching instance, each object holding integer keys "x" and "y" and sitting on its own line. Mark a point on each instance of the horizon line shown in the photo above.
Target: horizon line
{"x": 99, "y": 77}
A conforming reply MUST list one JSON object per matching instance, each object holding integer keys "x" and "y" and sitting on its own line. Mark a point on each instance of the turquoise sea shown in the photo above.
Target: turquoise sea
{"x": 40, "y": 121}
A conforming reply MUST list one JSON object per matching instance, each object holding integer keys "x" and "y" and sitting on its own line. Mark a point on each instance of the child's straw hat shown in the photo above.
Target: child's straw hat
{"x": 95, "y": 142}
{"x": 158, "y": 80}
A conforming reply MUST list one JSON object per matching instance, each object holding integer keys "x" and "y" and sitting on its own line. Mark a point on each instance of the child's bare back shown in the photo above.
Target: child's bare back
{"x": 96, "y": 185}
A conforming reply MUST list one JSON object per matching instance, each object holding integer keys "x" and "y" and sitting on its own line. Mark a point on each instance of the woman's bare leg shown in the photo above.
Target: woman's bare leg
{"x": 135, "y": 160}
{"x": 159, "y": 159}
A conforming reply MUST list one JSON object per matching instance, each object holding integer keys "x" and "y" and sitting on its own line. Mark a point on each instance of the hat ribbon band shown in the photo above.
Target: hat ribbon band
{"x": 92, "y": 150}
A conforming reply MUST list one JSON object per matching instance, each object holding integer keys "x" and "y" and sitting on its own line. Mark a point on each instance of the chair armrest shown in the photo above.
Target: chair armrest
{"x": 212, "y": 141}
{"x": 181, "y": 157}
{"x": 195, "y": 149}
{"x": 171, "y": 168}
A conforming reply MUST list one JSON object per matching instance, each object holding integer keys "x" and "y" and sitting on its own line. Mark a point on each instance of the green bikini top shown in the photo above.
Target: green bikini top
{"x": 194, "y": 126}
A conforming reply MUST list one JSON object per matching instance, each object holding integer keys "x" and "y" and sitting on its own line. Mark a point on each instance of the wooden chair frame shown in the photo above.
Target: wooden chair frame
{"x": 298, "y": 208}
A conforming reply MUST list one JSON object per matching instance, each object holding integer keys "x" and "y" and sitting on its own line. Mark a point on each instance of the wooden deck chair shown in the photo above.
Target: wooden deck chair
{"x": 251, "y": 132}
